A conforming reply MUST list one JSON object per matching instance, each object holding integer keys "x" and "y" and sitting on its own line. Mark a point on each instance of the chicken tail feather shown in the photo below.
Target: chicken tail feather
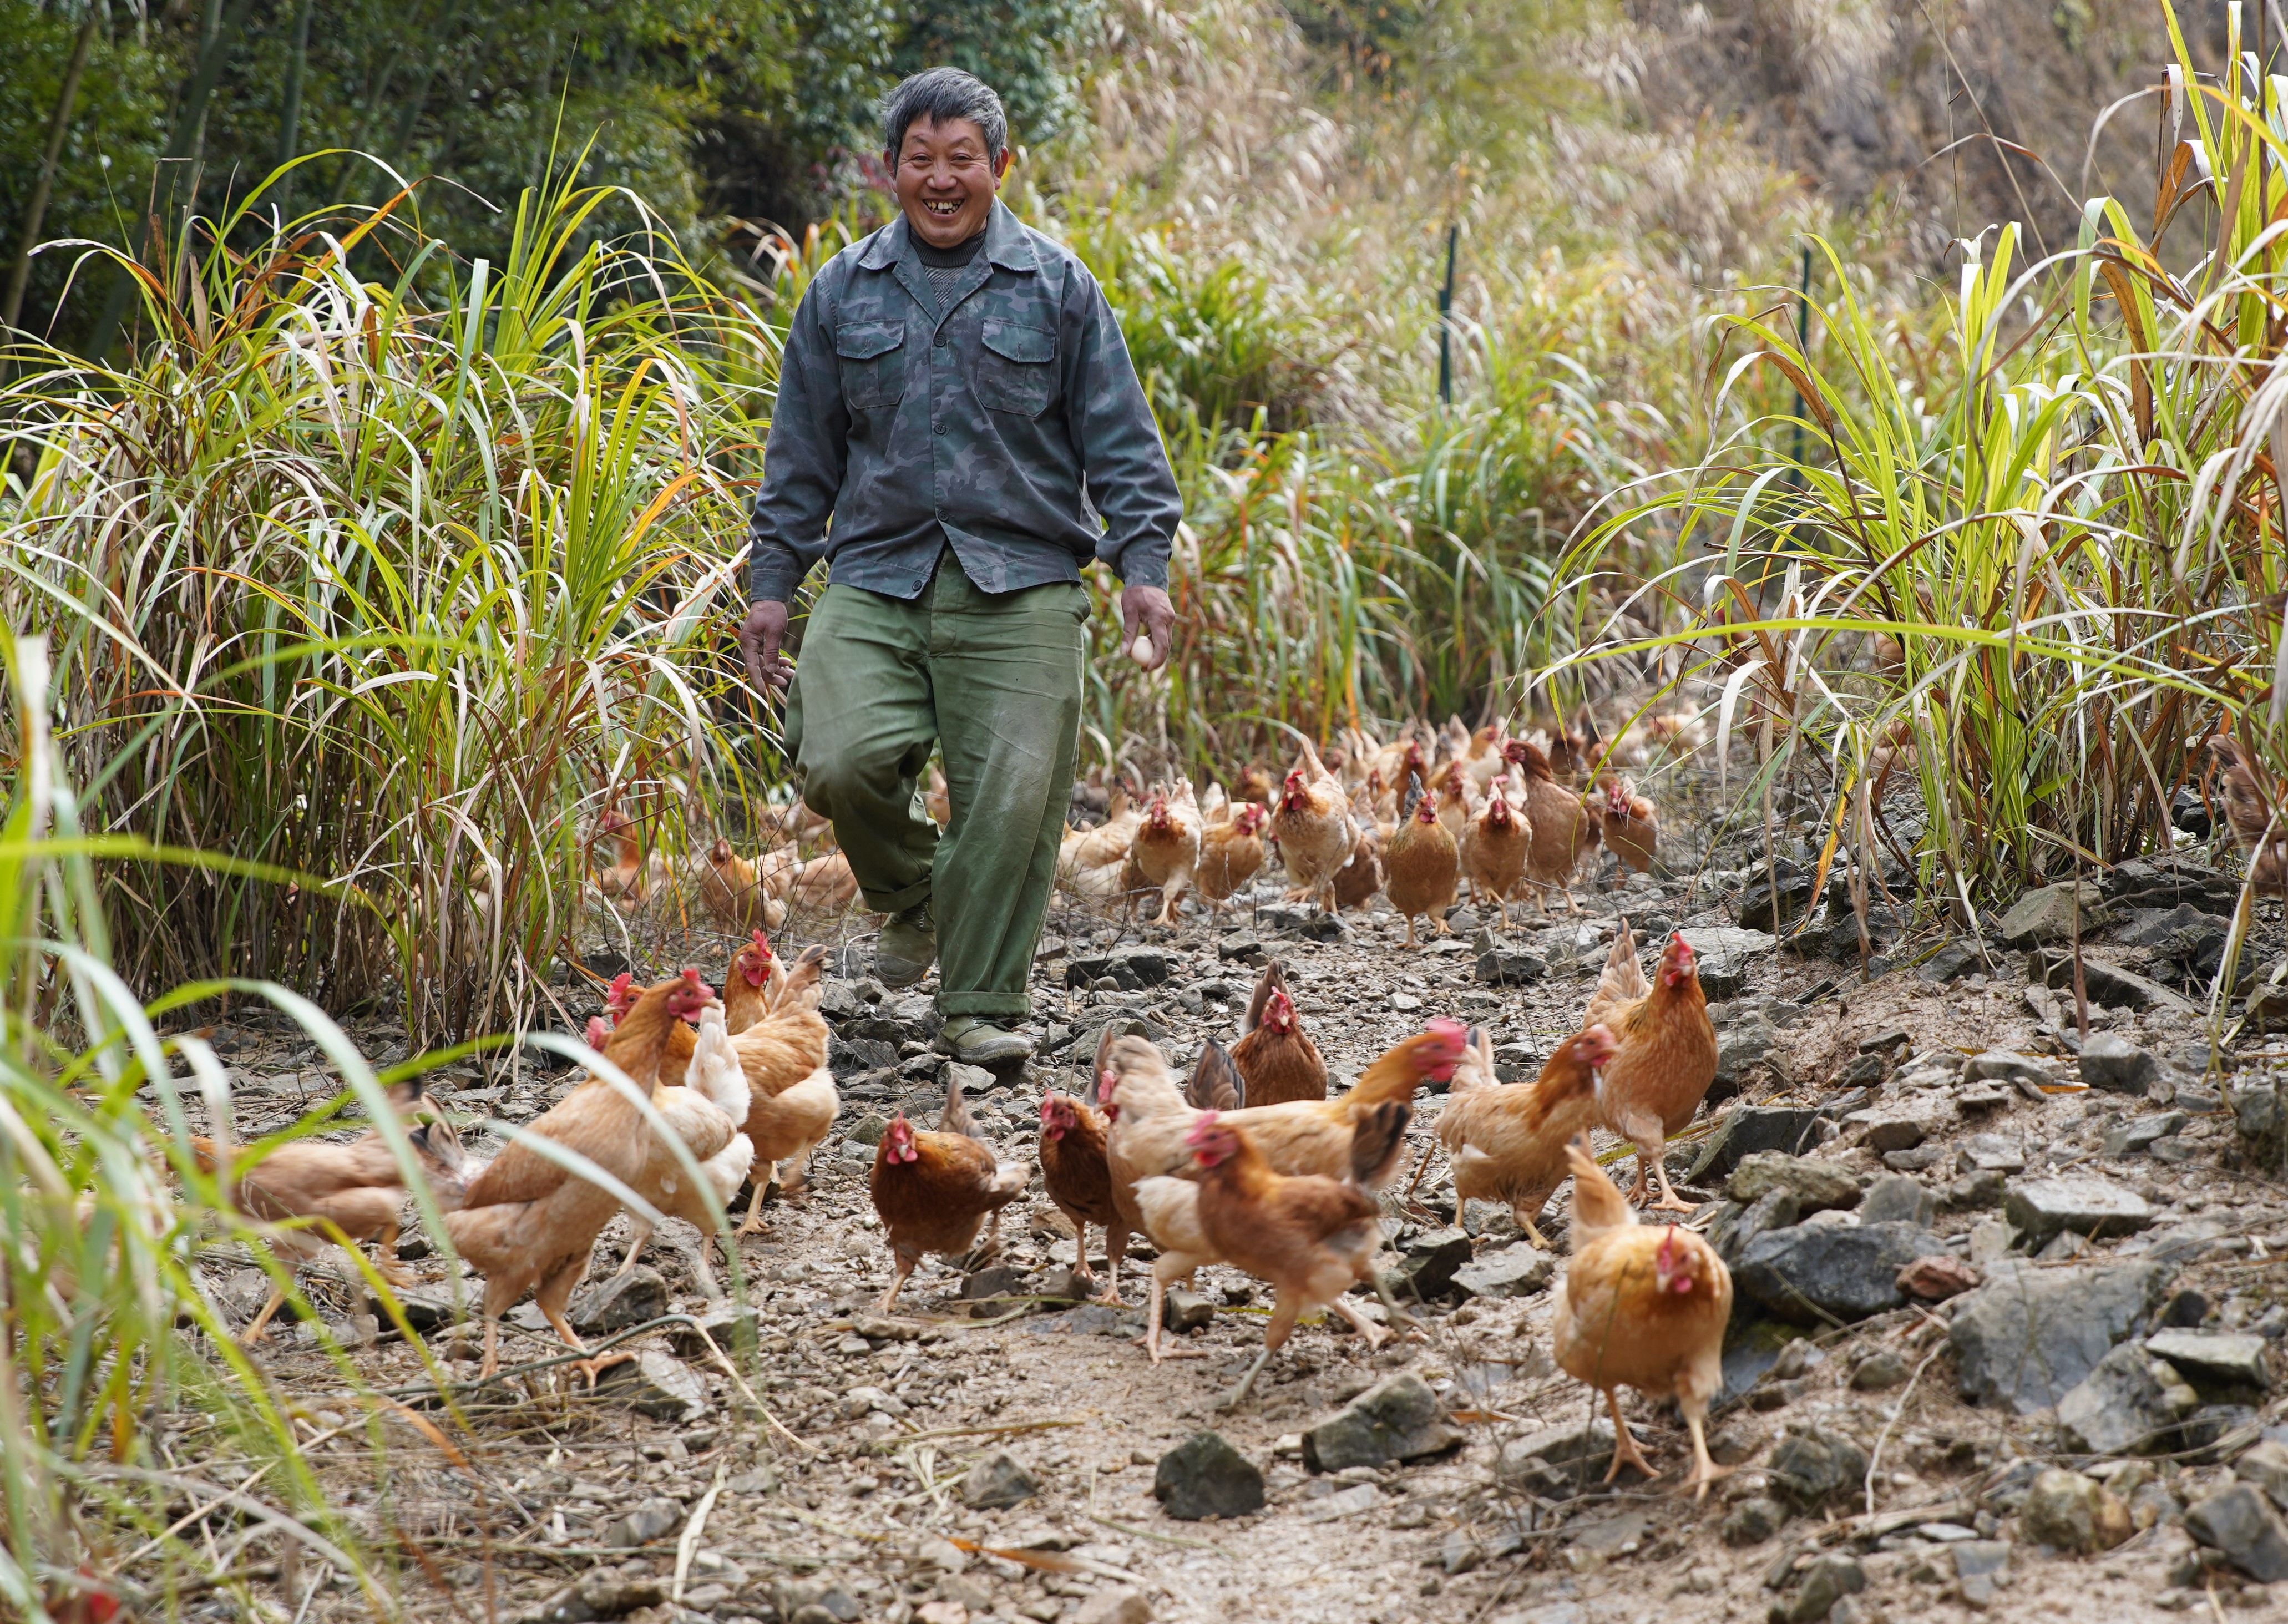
{"x": 1375, "y": 1135}
{"x": 956, "y": 1119}
{"x": 1215, "y": 1082}
{"x": 1597, "y": 1202}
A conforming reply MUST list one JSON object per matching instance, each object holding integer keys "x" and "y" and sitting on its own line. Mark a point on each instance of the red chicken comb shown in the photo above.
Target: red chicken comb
{"x": 763, "y": 943}
{"x": 615, "y": 998}
{"x": 598, "y": 1034}
{"x": 694, "y": 985}
{"x": 1448, "y": 1030}
{"x": 1200, "y": 1128}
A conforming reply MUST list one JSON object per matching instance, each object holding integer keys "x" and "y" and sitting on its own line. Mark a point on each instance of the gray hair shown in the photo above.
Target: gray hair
{"x": 938, "y": 94}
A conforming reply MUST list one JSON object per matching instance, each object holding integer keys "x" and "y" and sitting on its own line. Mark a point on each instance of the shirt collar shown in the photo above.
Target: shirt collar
{"x": 1008, "y": 244}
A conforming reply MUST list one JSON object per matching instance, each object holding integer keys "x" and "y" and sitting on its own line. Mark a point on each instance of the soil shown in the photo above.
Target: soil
{"x": 847, "y": 1502}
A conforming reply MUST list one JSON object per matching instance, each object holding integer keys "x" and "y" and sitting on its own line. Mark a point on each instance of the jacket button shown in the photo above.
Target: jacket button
{"x": 940, "y": 427}
{"x": 941, "y": 340}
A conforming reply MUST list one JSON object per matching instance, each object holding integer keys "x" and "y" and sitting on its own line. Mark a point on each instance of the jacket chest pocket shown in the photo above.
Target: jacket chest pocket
{"x": 873, "y": 359}
{"x": 1016, "y": 369}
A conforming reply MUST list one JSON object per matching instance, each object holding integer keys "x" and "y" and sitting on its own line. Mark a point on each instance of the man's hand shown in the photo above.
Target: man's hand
{"x": 1142, "y": 608}
{"x": 760, "y": 635}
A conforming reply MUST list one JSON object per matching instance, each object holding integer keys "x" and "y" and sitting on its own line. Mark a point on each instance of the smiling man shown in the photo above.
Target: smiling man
{"x": 959, "y": 431}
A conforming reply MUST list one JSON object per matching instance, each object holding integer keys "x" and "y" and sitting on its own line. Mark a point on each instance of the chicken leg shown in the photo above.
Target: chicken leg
{"x": 1275, "y": 1337}
{"x": 1625, "y": 1447}
{"x": 1705, "y": 1470}
{"x": 1650, "y": 1138}
{"x": 754, "y": 1224}
{"x": 1177, "y": 1266}
{"x": 550, "y": 1297}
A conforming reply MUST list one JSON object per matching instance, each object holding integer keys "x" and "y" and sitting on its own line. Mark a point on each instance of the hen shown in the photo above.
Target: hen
{"x": 1559, "y": 830}
{"x": 752, "y": 984}
{"x": 1165, "y": 850}
{"x": 741, "y": 895}
{"x": 634, "y": 877}
{"x": 824, "y": 884}
{"x": 704, "y": 1113}
{"x": 934, "y": 1192}
{"x": 310, "y": 1194}
{"x": 527, "y": 1222}
{"x": 1312, "y": 1238}
{"x": 1092, "y": 862}
{"x": 1074, "y": 1170}
{"x": 1667, "y": 1057}
{"x": 1313, "y": 826}
{"x": 2251, "y": 816}
{"x": 1276, "y": 1059}
{"x": 1231, "y": 854}
{"x": 791, "y": 1098}
{"x": 1630, "y": 824}
{"x": 1494, "y": 853}
{"x": 1641, "y": 1306}
{"x": 1420, "y": 863}
{"x": 1508, "y": 1144}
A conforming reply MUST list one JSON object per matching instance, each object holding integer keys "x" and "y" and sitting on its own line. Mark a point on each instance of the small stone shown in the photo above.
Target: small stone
{"x": 1117, "y": 1605}
{"x": 1893, "y": 1197}
{"x": 2127, "y": 1402}
{"x": 1186, "y": 1310}
{"x": 1816, "y": 1185}
{"x": 1541, "y": 1458}
{"x": 2241, "y": 1525}
{"x": 1885, "y": 1131}
{"x": 996, "y": 1483}
{"x": 2000, "y": 1065}
{"x": 1206, "y": 1476}
{"x": 992, "y": 1290}
{"x": 623, "y": 1301}
{"x": 657, "y": 1384}
{"x": 2028, "y": 1336}
{"x": 1745, "y": 1129}
{"x": 2214, "y": 1358}
{"x": 1980, "y": 1569}
{"x": 2073, "y": 1513}
{"x": 2048, "y": 914}
{"x": 1937, "y": 1278}
{"x": 1825, "y": 1582}
{"x": 1812, "y": 1469}
{"x": 2039, "y": 1208}
{"x": 1753, "y": 1521}
{"x": 648, "y": 1522}
{"x": 2110, "y": 1062}
{"x": 2139, "y": 1135}
{"x": 1397, "y": 1420}
{"x": 1505, "y": 966}
{"x": 1428, "y": 1261}
{"x": 1514, "y": 1270}
{"x": 2266, "y": 1466}
{"x": 1984, "y": 1153}
{"x": 1810, "y": 1272}
{"x": 1880, "y": 1372}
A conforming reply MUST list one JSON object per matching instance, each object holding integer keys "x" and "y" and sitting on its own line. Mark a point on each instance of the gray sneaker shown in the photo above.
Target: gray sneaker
{"x": 907, "y": 947}
{"x": 975, "y": 1042}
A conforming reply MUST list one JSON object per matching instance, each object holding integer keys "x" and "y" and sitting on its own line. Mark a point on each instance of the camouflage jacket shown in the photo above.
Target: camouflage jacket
{"x": 1003, "y": 423}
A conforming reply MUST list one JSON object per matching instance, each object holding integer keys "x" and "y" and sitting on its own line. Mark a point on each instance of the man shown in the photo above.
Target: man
{"x": 956, "y": 398}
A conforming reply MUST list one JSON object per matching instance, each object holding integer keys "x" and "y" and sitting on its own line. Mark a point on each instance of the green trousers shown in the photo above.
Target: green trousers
{"x": 995, "y": 681}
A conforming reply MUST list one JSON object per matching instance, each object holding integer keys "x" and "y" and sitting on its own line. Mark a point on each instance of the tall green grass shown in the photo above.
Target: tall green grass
{"x": 389, "y": 569}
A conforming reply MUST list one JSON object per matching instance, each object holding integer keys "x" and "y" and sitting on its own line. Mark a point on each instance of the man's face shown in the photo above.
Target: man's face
{"x": 945, "y": 180}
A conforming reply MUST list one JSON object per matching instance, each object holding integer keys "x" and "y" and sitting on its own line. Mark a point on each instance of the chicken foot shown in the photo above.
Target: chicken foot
{"x": 1624, "y": 1446}
{"x": 1275, "y": 1337}
{"x": 754, "y": 1224}
{"x": 1647, "y": 1136}
{"x": 1374, "y": 1334}
{"x": 1705, "y": 1470}
{"x": 1400, "y": 1318}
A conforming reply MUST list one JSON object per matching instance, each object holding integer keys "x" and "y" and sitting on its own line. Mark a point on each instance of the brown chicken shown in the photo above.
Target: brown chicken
{"x": 751, "y": 983}
{"x": 1312, "y": 1238}
{"x": 1165, "y": 851}
{"x": 311, "y": 1195}
{"x": 1074, "y": 1170}
{"x": 2252, "y": 817}
{"x": 1091, "y": 863}
{"x": 526, "y": 1223}
{"x": 1357, "y": 880}
{"x": 1312, "y": 825}
{"x": 824, "y": 884}
{"x": 1667, "y": 1058}
{"x": 1276, "y": 1059}
{"x": 634, "y": 877}
{"x": 1455, "y": 792}
{"x": 1508, "y": 1144}
{"x": 1421, "y": 865}
{"x": 738, "y": 894}
{"x": 1253, "y": 784}
{"x": 792, "y": 1099}
{"x": 934, "y": 1191}
{"x": 1494, "y": 853}
{"x": 1630, "y": 824}
{"x": 1560, "y": 829}
{"x": 1231, "y": 854}
{"x": 1215, "y": 1084}
{"x": 702, "y": 1113}
{"x": 1642, "y": 1306}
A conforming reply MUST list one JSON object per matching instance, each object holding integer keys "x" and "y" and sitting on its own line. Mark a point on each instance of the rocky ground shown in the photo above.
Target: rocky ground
{"x": 2074, "y": 1419}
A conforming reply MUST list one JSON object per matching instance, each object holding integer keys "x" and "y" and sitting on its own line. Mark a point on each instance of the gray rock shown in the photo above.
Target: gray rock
{"x": 648, "y": 1522}
{"x": 972, "y": 1080}
{"x": 1206, "y": 1476}
{"x": 2039, "y": 1208}
{"x": 2266, "y": 1466}
{"x": 657, "y": 1384}
{"x": 2028, "y": 1336}
{"x": 1734, "y": 1228}
{"x": 1745, "y": 1129}
{"x": 620, "y": 1302}
{"x": 1514, "y": 1270}
{"x": 1880, "y": 1372}
{"x": 1542, "y": 1458}
{"x": 2132, "y": 1137}
{"x": 1951, "y": 962}
{"x": 2214, "y": 1358}
{"x": 2000, "y": 1065}
{"x": 2110, "y": 1062}
{"x": 1397, "y": 1420}
{"x": 868, "y": 1130}
{"x": 1884, "y": 1130}
{"x": 1994, "y": 1153}
{"x": 2047, "y": 914}
{"x": 1119, "y": 1604}
{"x": 1982, "y": 1567}
{"x": 1754, "y": 1520}
{"x": 1810, "y": 1470}
{"x": 729, "y": 1326}
{"x": 997, "y": 1483}
{"x": 2108, "y": 985}
{"x": 1893, "y": 1197}
{"x": 1427, "y": 1262}
{"x": 2263, "y": 1126}
{"x": 1825, "y": 1582}
{"x": 1509, "y": 967}
{"x": 1741, "y": 1047}
{"x": 1816, "y": 1185}
{"x": 1186, "y": 1310}
{"x": 1727, "y": 941}
{"x": 1811, "y": 1272}
{"x": 2073, "y": 1513}
{"x": 1776, "y": 896}
{"x": 2240, "y": 1525}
